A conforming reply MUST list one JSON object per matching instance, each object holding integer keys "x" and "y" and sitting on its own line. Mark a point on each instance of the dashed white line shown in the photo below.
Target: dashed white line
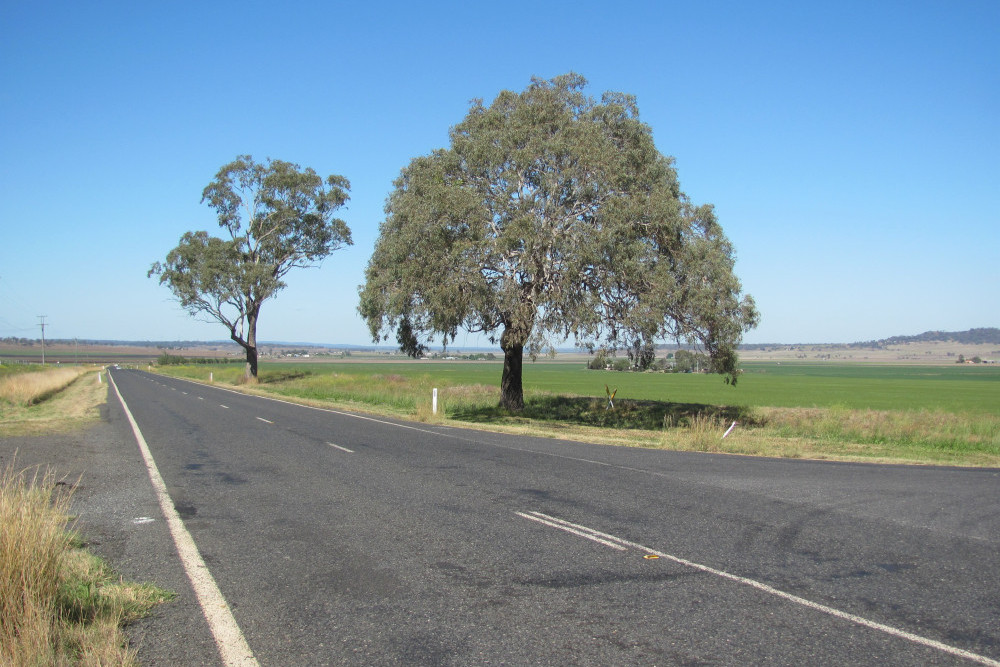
{"x": 266, "y": 421}
{"x": 622, "y": 544}
{"x": 223, "y": 406}
{"x": 343, "y": 449}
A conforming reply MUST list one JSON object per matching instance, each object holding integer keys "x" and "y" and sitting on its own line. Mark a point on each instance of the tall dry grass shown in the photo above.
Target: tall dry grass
{"x": 24, "y": 389}
{"x": 73, "y": 405}
{"x": 59, "y": 605}
{"x": 32, "y": 540}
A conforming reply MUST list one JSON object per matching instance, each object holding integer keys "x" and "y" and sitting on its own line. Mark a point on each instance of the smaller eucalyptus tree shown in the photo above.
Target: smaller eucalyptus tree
{"x": 277, "y": 217}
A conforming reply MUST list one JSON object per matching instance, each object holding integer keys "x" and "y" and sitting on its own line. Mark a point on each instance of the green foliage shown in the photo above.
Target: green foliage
{"x": 642, "y": 354}
{"x": 686, "y": 361}
{"x": 167, "y": 359}
{"x": 277, "y": 217}
{"x": 599, "y": 361}
{"x": 552, "y": 215}
{"x": 621, "y": 365}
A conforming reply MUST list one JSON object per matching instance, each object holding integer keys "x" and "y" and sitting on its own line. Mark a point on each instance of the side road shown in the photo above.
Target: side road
{"x": 119, "y": 518}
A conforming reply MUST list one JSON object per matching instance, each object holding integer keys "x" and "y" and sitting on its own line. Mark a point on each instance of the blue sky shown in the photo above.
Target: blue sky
{"x": 850, "y": 148}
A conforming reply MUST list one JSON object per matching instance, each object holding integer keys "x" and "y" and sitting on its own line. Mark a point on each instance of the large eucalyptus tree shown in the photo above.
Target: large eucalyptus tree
{"x": 277, "y": 217}
{"x": 552, "y": 216}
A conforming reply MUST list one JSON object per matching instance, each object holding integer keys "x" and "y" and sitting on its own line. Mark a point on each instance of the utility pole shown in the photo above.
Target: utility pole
{"x": 41, "y": 319}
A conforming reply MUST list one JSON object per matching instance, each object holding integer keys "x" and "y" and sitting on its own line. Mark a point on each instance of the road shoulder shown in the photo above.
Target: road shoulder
{"x": 119, "y": 519}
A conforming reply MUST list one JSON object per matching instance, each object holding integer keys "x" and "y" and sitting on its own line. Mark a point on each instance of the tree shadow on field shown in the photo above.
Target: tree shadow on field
{"x": 626, "y": 413}
{"x": 278, "y": 376}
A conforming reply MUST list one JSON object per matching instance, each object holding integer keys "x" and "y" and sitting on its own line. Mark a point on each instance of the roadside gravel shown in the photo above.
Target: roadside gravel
{"x": 119, "y": 519}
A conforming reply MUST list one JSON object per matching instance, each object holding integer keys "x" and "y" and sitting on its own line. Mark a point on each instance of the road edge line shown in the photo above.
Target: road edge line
{"x": 229, "y": 639}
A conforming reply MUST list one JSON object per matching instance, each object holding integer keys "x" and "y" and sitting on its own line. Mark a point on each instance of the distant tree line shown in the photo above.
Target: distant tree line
{"x": 167, "y": 359}
{"x": 681, "y": 361}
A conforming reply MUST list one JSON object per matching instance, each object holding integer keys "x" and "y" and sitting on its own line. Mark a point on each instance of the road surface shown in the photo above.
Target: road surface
{"x": 335, "y": 538}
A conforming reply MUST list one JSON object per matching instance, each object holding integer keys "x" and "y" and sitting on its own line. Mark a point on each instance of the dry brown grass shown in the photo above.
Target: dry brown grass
{"x": 59, "y": 605}
{"x": 73, "y": 404}
{"x": 24, "y": 389}
{"x": 874, "y": 436}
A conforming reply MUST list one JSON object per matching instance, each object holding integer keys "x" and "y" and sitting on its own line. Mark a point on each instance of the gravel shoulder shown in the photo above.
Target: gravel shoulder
{"x": 119, "y": 519}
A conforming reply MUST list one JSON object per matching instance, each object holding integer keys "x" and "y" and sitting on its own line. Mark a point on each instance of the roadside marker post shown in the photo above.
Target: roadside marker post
{"x": 434, "y": 401}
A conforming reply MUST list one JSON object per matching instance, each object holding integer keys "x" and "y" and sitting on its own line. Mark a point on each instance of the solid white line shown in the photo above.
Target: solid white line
{"x": 266, "y": 421}
{"x": 232, "y": 645}
{"x": 343, "y": 449}
{"x": 596, "y": 536}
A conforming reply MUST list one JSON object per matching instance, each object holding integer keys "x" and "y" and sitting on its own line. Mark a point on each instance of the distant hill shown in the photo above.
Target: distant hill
{"x": 987, "y": 335}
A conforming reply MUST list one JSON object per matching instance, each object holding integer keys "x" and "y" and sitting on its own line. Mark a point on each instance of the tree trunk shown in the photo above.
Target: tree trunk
{"x": 250, "y": 346}
{"x": 250, "y": 375}
{"x": 511, "y": 389}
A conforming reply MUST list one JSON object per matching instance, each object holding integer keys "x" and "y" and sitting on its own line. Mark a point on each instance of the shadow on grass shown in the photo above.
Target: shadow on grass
{"x": 275, "y": 377}
{"x": 626, "y": 414}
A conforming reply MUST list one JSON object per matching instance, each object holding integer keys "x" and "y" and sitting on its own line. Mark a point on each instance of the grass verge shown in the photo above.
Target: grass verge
{"x": 834, "y": 432}
{"x": 59, "y": 605}
{"x": 48, "y": 401}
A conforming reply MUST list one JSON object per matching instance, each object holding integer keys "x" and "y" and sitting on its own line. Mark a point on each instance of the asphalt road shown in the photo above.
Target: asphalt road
{"x": 343, "y": 539}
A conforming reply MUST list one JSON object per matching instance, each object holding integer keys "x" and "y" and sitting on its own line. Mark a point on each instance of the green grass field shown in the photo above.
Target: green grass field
{"x": 943, "y": 414}
{"x": 956, "y": 388}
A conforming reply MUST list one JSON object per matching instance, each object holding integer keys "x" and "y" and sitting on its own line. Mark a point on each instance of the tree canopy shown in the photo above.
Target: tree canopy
{"x": 551, "y": 216}
{"x": 277, "y": 217}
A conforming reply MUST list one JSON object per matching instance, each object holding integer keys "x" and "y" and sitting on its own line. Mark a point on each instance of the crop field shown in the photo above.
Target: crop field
{"x": 917, "y": 414}
{"x": 955, "y": 388}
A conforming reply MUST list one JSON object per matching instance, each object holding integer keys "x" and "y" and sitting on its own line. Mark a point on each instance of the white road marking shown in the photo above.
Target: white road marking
{"x": 266, "y": 421}
{"x": 329, "y": 410}
{"x": 223, "y": 406}
{"x": 576, "y": 530}
{"x": 229, "y": 639}
{"x": 750, "y": 582}
{"x": 343, "y": 449}
{"x": 622, "y": 544}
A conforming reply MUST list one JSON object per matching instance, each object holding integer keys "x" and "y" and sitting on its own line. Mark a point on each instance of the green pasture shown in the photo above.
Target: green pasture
{"x": 954, "y": 388}
{"x": 926, "y": 414}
